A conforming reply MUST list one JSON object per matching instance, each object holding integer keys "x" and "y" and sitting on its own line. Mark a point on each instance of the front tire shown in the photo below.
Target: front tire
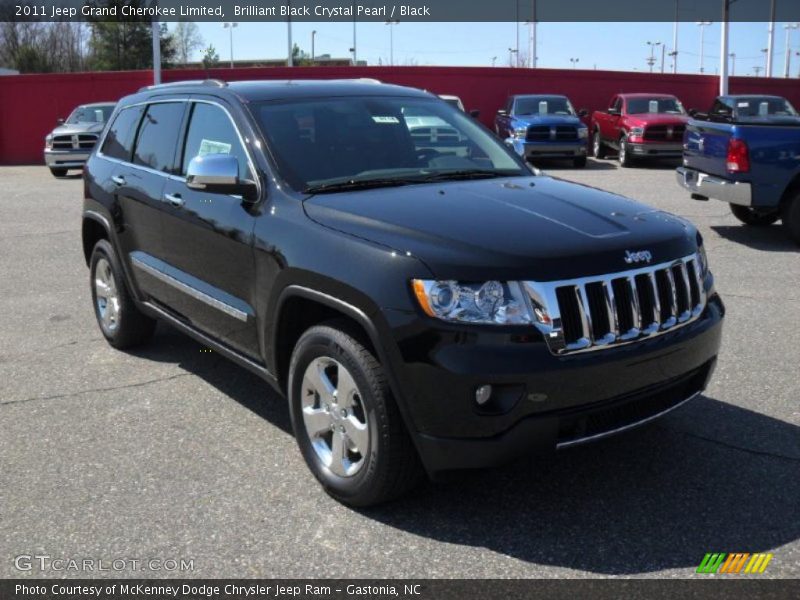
{"x": 754, "y": 218}
{"x": 120, "y": 321}
{"x": 347, "y": 425}
{"x": 790, "y": 215}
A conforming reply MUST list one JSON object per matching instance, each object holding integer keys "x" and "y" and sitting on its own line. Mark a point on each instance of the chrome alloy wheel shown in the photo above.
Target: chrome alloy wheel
{"x": 106, "y": 295}
{"x": 596, "y": 144}
{"x": 334, "y": 416}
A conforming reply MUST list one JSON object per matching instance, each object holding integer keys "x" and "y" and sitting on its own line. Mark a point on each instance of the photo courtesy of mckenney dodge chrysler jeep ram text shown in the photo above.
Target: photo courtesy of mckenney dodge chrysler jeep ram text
{"x": 423, "y": 307}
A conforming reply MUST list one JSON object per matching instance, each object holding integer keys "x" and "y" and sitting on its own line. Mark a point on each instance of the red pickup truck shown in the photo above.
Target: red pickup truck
{"x": 640, "y": 126}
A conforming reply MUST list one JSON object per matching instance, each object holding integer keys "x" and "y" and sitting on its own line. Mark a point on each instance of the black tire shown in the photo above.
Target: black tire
{"x": 130, "y": 327}
{"x": 754, "y": 218}
{"x": 390, "y": 465}
{"x": 790, "y": 215}
{"x": 598, "y": 147}
{"x": 579, "y": 162}
{"x": 59, "y": 172}
{"x": 625, "y": 158}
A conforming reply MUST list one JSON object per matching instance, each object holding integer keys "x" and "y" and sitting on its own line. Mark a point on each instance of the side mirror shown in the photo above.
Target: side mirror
{"x": 614, "y": 111}
{"x": 583, "y": 113}
{"x": 692, "y": 112}
{"x": 219, "y": 174}
{"x": 502, "y": 112}
{"x": 475, "y": 113}
{"x": 59, "y": 121}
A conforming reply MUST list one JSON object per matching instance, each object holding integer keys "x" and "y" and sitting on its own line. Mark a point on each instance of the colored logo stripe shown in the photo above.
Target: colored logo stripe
{"x": 720, "y": 562}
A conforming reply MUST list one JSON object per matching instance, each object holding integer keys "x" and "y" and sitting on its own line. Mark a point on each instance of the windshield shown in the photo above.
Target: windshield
{"x": 322, "y": 143}
{"x": 764, "y": 107}
{"x": 655, "y": 105}
{"x": 91, "y": 114}
{"x": 543, "y": 105}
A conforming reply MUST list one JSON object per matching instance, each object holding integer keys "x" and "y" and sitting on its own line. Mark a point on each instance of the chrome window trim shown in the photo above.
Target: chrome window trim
{"x": 543, "y": 298}
{"x": 172, "y": 176}
{"x": 189, "y": 290}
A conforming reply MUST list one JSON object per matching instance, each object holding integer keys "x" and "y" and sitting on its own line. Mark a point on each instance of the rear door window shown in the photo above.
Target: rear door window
{"x": 158, "y": 136}
{"x": 119, "y": 141}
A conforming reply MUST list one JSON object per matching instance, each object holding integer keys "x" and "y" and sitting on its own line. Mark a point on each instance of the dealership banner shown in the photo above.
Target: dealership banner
{"x": 407, "y": 10}
{"x": 319, "y": 589}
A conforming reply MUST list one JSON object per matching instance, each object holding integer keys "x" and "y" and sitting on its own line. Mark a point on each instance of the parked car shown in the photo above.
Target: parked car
{"x": 640, "y": 126}
{"x": 70, "y": 143}
{"x": 421, "y": 311}
{"x": 540, "y": 126}
{"x": 453, "y": 101}
{"x": 746, "y": 152}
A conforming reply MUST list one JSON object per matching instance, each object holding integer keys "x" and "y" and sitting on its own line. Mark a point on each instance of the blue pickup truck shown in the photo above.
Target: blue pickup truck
{"x": 746, "y": 151}
{"x": 543, "y": 126}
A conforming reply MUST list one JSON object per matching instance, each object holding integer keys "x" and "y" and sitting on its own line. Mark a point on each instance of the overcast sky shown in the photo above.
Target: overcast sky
{"x": 619, "y": 46}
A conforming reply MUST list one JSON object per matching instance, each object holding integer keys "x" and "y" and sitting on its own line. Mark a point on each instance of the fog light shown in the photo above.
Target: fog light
{"x": 483, "y": 394}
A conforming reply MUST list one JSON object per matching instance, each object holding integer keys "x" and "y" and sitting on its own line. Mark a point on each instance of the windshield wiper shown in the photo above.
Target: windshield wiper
{"x": 464, "y": 174}
{"x": 356, "y": 184}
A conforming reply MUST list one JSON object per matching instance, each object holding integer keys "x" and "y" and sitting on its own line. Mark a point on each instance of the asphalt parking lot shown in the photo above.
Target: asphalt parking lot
{"x": 175, "y": 453}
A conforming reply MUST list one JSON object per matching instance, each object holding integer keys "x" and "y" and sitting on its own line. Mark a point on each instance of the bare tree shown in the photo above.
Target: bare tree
{"x": 187, "y": 40}
{"x": 32, "y": 47}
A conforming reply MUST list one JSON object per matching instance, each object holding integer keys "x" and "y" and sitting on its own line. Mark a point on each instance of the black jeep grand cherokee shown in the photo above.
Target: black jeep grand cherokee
{"x": 423, "y": 299}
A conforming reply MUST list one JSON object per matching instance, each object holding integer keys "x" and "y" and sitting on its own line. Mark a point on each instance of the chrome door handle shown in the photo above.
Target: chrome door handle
{"x": 119, "y": 180}
{"x": 174, "y": 199}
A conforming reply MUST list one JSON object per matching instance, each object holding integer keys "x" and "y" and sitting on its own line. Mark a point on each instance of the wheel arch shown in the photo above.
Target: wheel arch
{"x": 95, "y": 227}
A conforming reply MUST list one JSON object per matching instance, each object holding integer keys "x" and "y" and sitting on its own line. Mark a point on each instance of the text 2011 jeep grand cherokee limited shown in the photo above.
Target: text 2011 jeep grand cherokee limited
{"x": 422, "y": 308}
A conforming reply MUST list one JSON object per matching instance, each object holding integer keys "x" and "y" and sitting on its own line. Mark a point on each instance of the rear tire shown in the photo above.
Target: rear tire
{"x": 790, "y": 215}
{"x": 347, "y": 425}
{"x": 59, "y": 173}
{"x": 754, "y": 218}
{"x": 579, "y": 162}
{"x": 120, "y": 321}
{"x": 598, "y": 147}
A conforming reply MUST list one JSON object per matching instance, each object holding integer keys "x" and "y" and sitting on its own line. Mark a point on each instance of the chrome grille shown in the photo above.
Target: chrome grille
{"x": 660, "y": 133}
{"x": 598, "y": 312}
{"x": 78, "y": 141}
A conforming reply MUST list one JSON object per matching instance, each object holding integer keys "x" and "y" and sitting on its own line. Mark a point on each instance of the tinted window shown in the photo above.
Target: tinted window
{"x": 764, "y": 107}
{"x": 92, "y": 113}
{"x": 119, "y": 141}
{"x": 543, "y": 105}
{"x": 211, "y": 132}
{"x": 324, "y": 141}
{"x": 670, "y": 106}
{"x": 158, "y": 136}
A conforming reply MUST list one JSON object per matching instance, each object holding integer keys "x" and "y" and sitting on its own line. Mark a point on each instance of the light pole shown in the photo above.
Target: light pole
{"x": 702, "y": 25}
{"x": 353, "y": 49}
{"x": 765, "y": 51}
{"x": 788, "y": 27}
{"x": 532, "y": 40}
{"x": 652, "y": 60}
{"x": 230, "y": 26}
{"x": 494, "y": 60}
{"x": 313, "y": 35}
{"x": 757, "y": 70}
{"x": 156, "y": 52}
{"x": 391, "y": 40}
{"x": 771, "y": 38}
{"x": 511, "y": 53}
{"x": 290, "y": 46}
{"x": 574, "y": 61}
{"x": 674, "y": 53}
{"x": 732, "y": 56}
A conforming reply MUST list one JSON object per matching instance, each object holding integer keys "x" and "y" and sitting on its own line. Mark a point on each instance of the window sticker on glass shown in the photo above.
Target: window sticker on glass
{"x": 212, "y": 147}
{"x": 386, "y": 119}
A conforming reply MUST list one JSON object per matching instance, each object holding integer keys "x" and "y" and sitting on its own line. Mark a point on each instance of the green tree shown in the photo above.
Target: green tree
{"x": 300, "y": 58}
{"x": 210, "y": 57}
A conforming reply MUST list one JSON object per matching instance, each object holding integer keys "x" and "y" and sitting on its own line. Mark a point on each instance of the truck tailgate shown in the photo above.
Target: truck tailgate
{"x": 705, "y": 146}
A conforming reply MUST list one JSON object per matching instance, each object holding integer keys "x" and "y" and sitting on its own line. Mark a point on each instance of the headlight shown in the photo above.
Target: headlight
{"x": 583, "y": 133}
{"x": 703, "y": 258}
{"x": 520, "y": 132}
{"x": 637, "y": 131}
{"x": 48, "y": 141}
{"x": 493, "y": 302}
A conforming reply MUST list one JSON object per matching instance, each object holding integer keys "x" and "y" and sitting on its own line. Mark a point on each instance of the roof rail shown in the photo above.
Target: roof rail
{"x": 210, "y": 82}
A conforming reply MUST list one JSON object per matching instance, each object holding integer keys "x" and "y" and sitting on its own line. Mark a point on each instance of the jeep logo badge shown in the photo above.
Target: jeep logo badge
{"x": 638, "y": 257}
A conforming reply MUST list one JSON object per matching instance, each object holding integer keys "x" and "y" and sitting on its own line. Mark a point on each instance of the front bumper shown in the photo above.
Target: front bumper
{"x": 532, "y": 150}
{"x": 702, "y": 184}
{"x": 548, "y": 402}
{"x": 66, "y": 159}
{"x": 655, "y": 149}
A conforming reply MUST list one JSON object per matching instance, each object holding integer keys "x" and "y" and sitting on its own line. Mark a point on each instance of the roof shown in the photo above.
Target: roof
{"x": 274, "y": 89}
{"x": 90, "y": 104}
{"x": 646, "y": 95}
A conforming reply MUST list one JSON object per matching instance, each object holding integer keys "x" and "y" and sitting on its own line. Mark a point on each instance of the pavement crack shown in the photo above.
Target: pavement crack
{"x": 734, "y": 446}
{"x": 97, "y": 390}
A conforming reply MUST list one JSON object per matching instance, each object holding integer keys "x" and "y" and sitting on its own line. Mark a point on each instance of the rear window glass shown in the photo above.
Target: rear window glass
{"x": 119, "y": 141}
{"x": 158, "y": 136}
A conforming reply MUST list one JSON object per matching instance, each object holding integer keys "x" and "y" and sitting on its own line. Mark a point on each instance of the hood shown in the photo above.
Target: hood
{"x": 548, "y": 120}
{"x": 69, "y": 129}
{"x": 657, "y": 119}
{"x": 517, "y": 228}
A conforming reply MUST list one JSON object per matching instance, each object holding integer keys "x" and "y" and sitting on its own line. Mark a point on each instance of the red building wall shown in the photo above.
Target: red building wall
{"x": 30, "y": 104}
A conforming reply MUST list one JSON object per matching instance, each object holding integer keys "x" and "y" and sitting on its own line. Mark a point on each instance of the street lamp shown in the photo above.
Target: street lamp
{"x": 765, "y": 51}
{"x": 494, "y": 60}
{"x": 702, "y": 25}
{"x": 574, "y": 61}
{"x": 511, "y": 53}
{"x": 313, "y": 35}
{"x": 788, "y": 27}
{"x": 732, "y": 56}
{"x": 391, "y": 40}
{"x": 230, "y": 26}
{"x": 532, "y": 41}
{"x": 652, "y": 60}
